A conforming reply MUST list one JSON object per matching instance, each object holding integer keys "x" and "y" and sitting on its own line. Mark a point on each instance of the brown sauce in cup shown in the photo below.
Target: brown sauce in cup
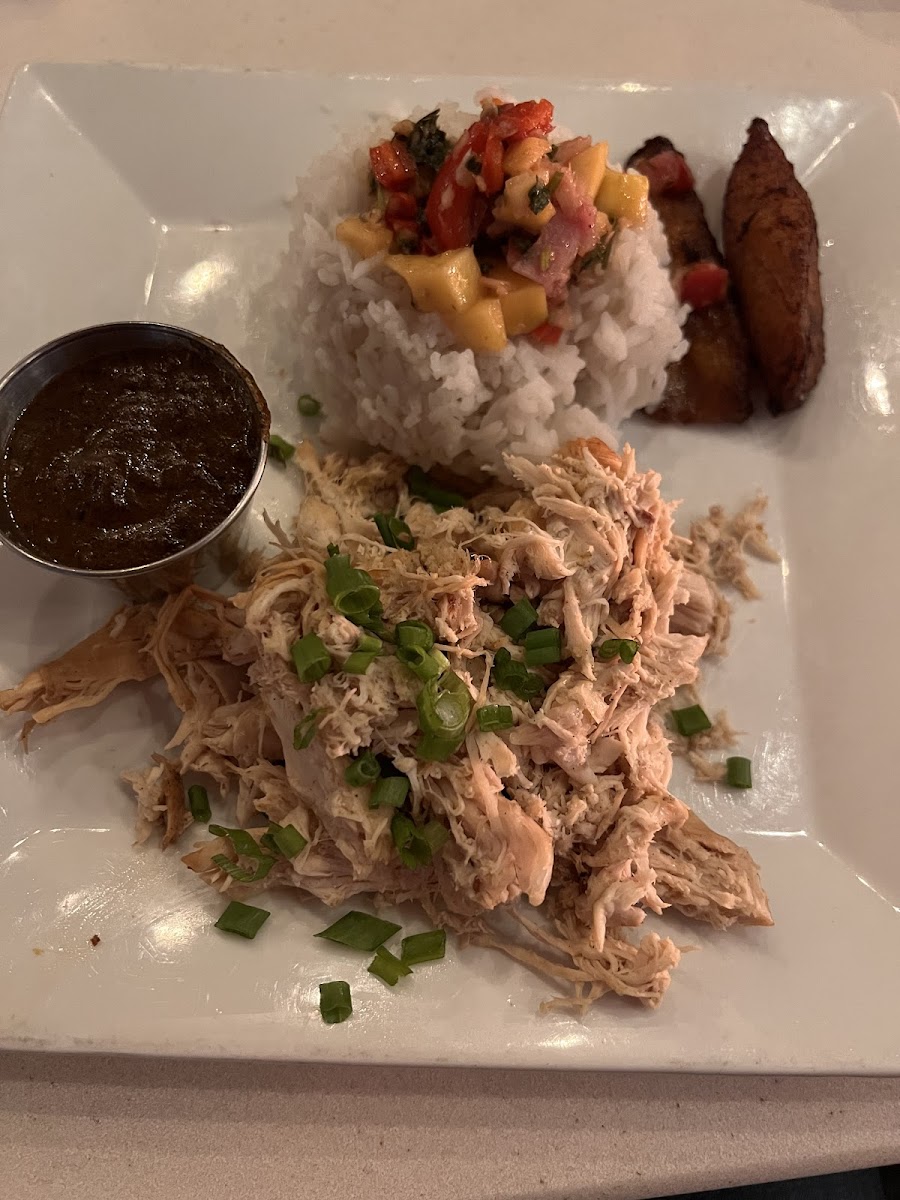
{"x": 128, "y": 458}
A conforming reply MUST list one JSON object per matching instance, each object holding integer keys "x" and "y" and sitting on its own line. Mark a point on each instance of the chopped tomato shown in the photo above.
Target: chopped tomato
{"x": 392, "y": 165}
{"x": 400, "y": 207}
{"x": 668, "y": 173}
{"x": 492, "y": 165}
{"x": 546, "y": 334}
{"x": 455, "y": 208}
{"x": 702, "y": 284}
{"x": 531, "y": 118}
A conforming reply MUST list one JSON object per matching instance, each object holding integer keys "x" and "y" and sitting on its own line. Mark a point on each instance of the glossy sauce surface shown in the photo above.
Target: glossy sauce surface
{"x": 129, "y": 458}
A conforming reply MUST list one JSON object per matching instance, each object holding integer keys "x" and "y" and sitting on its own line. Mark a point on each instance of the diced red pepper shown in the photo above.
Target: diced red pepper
{"x": 401, "y": 206}
{"x": 531, "y": 118}
{"x": 702, "y": 284}
{"x": 392, "y": 165}
{"x": 546, "y": 334}
{"x": 667, "y": 172}
{"x": 455, "y": 208}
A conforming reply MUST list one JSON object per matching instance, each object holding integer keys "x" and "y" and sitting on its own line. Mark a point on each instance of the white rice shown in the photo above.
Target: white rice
{"x": 388, "y": 375}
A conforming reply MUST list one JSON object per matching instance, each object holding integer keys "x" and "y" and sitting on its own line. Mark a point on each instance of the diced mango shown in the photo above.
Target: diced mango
{"x": 514, "y": 206}
{"x": 524, "y": 304}
{"x": 480, "y": 327}
{"x": 364, "y": 238}
{"x": 623, "y": 196}
{"x": 525, "y": 155}
{"x": 442, "y": 283}
{"x": 589, "y": 165}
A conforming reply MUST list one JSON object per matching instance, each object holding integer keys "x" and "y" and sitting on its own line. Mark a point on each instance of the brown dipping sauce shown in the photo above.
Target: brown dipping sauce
{"x": 128, "y": 458}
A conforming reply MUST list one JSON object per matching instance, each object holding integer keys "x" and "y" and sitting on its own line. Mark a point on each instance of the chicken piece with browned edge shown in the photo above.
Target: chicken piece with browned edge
{"x": 710, "y": 385}
{"x": 772, "y": 250}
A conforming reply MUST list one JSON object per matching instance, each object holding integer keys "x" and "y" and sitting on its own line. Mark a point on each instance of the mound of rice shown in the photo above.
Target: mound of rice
{"x": 388, "y": 375}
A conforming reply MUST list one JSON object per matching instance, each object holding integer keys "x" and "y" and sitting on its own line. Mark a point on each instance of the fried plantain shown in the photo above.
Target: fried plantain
{"x": 710, "y": 385}
{"x": 772, "y": 251}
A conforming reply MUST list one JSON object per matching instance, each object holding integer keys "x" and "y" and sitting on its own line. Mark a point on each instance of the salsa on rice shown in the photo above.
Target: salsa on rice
{"x": 490, "y": 232}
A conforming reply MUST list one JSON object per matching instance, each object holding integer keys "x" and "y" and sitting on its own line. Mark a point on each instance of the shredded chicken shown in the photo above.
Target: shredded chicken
{"x": 718, "y": 545}
{"x": 568, "y": 811}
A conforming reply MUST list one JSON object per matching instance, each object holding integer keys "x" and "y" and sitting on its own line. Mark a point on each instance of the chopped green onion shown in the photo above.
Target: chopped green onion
{"x": 425, "y": 488}
{"x": 414, "y": 633}
{"x": 691, "y": 720}
{"x": 368, "y": 648}
{"x": 424, "y": 947}
{"x": 305, "y": 730}
{"x": 243, "y": 919}
{"x": 308, "y": 405}
{"x": 335, "y": 1004}
{"x": 353, "y": 592}
{"x": 424, "y": 664}
{"x": 388, "y": 967}
{"x": 198, "y": 801}
{"x": 513, "y": 676}
{"x": 516, "y": 622}
{"x": 394, "y": 532}
{"x": 494, "y": 716}
{"x": 279, "y": 449}
{"x": 538, "y": 198}
{"x": 364, "y": 770}
{"x": 242, "y": 840}
{"x": 359, "y": 931}
{"x": 444, "y": 705}
{"x": 390, "y": 792}
{"x": 244, "y": 874}
{"x": 286, "y": 840}
{"x": 622, "y": 648}
{"x": 543, "y": 646}
{"x": 417, "y": 844}
{"x": 311, "y": 658}
{"x": 737, "y": 772}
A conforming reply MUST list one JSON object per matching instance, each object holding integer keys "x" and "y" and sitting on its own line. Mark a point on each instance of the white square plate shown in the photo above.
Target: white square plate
{"x": 129, "y": 193}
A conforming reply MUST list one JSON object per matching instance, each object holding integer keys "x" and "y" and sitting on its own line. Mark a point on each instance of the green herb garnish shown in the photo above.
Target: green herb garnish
{"x": 359, "y": 931}
{"x": 738, "y": 772}
{"x": 624, "y": 649}
{"x": 364, "y": 770}
{"x": 425, "y": 488}
{"x": 243, "y": 919}
{"x": 198, "y": 802}
{"x": 424, "y": 947}
{"x": 308, "y": 406}
{"x": 387, "y": 967}
{"x": 335, "y": 1004}
{"x": 394, "y": 532}
{"x": 280, "y": 449}
{"x": 543, "y": 646}
{"x": 517, "y": 620}
{"x": 691, "y": 720}
{"x": 311, "y": 658}
{"x": 305, "y": 730}
{"x": 427, "y": 143}
{"x": 492, "y": 718}
{"x": 538, "y": 197}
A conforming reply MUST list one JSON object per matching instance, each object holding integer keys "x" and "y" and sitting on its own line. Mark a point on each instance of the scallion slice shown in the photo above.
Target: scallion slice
{"x": 244, "y": 874}
{"x": 394, "y": 532}
{"x": 280, "y": 449}
{"x": 359, "y": 931}
{"x": 335, "y": 1003}
{"x": 444, "y": 705}
{"x": 243, "y": 919}
{"x": 493, "y": 717}
{"x": 516, "y": 622}
{"x": 624, "y": 649}
{"x": 387, "y": 967}
{"x": 390, "y": 792}
{"x": 241, "y": 839}
{"x": 363, "y": 771}
{"x": 198, "y": 802}
{"x": 308, "y": 406}
{"x": 353, "y": 592}
{"x": 425, "y": 488}
{"x": 305, "y": 730}
{"x": 424, "y": 947}
{"x": 417, "y": 844}
{"x": 738, "y": 772}
{"x": 368, "y": 648}
{"x": 286, "y": 840}
{"x": 513, "y": 676}
{"x": 691, "y": 720}
{"x": 543, "y": 646}
{"x": 311, "y": 658}
{"x": 411, "y": 634}
{"x": 424, "y": 664}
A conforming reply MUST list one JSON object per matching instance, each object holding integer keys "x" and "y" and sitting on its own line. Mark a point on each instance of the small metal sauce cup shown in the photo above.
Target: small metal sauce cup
{"x": 20, "y": 386}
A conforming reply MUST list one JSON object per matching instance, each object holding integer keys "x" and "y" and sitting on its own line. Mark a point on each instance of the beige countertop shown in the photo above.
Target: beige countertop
{"x": 104, "y": 1128}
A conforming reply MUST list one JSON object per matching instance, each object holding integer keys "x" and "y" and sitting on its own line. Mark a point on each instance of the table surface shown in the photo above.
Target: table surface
{"x": 98, "y": 1127}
